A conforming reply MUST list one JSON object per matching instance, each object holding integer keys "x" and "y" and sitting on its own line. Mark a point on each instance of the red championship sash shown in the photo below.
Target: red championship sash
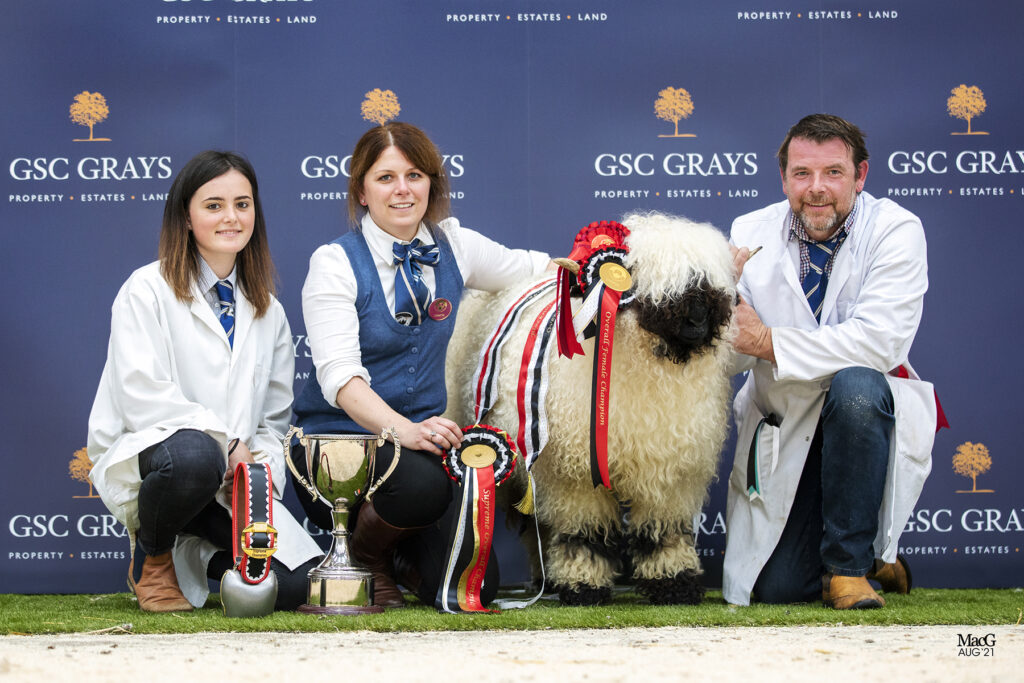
{"x": 601, "y": 387}
{"x": 606, "y": 286}
{"x": 484, "y": 461}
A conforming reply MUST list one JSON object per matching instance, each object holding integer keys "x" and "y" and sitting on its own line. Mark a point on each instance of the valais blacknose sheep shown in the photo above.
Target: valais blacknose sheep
{"x": 667, "y": 421}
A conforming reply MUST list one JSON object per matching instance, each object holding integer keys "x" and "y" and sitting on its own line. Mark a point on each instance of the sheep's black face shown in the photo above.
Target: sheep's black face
{"x": 686, "y": 325}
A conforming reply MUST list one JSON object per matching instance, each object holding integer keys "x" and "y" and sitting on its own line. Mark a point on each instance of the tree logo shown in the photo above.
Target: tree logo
{"x": 380, "y": 106}
{"x": 88, "y": 109}
{"x": 674, "y": 104}
{"x": 970, "y": 460}
{"x": 79, "y": 468}
{"x": 965, "y": 103}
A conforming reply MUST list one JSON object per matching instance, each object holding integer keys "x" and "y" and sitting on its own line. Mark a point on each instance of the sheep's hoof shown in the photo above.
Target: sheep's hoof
{"x": 584, "y": 596}
{"x": 682, "y": 589}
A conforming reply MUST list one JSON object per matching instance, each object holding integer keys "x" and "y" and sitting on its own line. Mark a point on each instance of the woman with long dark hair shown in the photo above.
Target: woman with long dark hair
{"x": 198, "y": 378}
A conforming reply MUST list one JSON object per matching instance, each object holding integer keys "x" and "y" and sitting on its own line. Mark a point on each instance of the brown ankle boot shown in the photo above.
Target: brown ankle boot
{"x": 893, "y": 577}
{"x": 372, "y": 546}
{"x": 157, "y": 589}
{"x": 849, "y": 592}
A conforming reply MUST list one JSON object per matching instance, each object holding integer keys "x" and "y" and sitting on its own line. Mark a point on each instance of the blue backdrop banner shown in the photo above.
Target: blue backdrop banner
{"x": 550, "y": 115}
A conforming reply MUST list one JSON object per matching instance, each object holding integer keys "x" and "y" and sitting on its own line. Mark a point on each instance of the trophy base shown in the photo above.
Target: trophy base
{"x": 340, "y": 590}
{"x": 341, "y": 609}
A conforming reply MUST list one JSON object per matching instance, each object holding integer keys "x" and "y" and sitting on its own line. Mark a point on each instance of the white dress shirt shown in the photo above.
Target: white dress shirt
{"x": 329, "y": 294}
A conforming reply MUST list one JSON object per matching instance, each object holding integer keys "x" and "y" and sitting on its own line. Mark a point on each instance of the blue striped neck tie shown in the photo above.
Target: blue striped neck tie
{"x": 816, "y": 280}
{"x": 411, "y": 294}
{"x": 226, "y": 300}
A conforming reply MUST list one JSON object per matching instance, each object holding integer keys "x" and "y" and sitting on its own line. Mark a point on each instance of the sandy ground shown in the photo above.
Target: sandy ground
{"x": 918, "y": 653}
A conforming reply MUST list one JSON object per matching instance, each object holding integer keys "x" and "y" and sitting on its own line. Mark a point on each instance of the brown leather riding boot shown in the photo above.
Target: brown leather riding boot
{"x": 849, "y": 592}
{"x": 157, "y": 589}
{"x": 893, "y": 577}
{"x": 406, "y": 572}
{"x": 372, "y": 545}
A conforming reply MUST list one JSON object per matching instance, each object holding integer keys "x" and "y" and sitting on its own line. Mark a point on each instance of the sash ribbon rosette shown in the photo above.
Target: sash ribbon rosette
{"x": 599, "y": 252}
{"x": 485, "y": 460}
{"x": 595, "y": 270}
{"x": 597, "y": 235}
{"x": 606, "y": 287}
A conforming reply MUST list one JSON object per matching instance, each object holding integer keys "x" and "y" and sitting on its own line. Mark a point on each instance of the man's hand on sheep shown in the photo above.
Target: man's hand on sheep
{"x": 753, "y": 337}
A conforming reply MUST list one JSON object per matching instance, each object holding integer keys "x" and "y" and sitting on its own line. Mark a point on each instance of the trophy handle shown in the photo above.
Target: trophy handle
{"x": 293, "y": 431}
{"x": 394, "y": 461}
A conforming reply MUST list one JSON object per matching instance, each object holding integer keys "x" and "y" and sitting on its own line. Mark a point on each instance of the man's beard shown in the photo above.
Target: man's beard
{"x": 813, "y": 228}
{"x": 825, "y": 225}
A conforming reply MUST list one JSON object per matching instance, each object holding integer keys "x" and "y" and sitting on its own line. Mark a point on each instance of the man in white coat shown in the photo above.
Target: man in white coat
{"x": 834, "y": 428}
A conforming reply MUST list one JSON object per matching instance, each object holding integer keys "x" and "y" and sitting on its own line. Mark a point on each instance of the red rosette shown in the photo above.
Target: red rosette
{"x": 482, "y": 446}
{"x": 485, "y": 459}
{"x": 598, "y": 235}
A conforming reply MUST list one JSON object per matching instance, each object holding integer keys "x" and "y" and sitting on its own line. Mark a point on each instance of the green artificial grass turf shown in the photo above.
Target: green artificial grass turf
{"x": 114, "y": 613}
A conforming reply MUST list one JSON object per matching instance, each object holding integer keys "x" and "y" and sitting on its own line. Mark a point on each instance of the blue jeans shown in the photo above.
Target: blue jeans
{"x": 834, "y": 518}
{"x": 180, "y": 477}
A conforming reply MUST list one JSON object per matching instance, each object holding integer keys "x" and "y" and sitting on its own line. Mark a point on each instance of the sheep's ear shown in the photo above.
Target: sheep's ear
{"x": 568, "y": 264}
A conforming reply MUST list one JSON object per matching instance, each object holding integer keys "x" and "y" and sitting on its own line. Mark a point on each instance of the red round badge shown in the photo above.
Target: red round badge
{"x": 439, "y": 309}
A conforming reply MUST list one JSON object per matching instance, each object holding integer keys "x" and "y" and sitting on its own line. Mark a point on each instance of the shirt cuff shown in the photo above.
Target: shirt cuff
{"x": 539, "y": 261}
{"x": 332, "y": 380}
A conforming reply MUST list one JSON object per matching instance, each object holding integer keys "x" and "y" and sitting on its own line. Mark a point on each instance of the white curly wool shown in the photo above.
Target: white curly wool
{"x": 667, "y": 421}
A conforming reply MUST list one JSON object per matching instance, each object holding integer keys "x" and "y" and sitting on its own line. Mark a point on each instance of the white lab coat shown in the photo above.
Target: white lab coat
{"x": 870, "y": 316}
{"x": 170, "y": 367}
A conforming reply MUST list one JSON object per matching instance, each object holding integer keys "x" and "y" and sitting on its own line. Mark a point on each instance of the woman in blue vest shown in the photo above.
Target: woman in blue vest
{"x": 379, "y": 305}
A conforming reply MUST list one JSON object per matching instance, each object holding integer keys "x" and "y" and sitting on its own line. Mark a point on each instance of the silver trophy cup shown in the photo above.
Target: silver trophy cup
{"x": 340, "y": 469}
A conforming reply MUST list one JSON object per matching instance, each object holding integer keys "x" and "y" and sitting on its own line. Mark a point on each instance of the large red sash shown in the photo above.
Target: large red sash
{"x": 601, "y": 387}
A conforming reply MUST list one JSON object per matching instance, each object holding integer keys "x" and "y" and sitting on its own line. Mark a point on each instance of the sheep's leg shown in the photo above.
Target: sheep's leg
{"x": 665, "y": 562}
{"x": 582, "y": 550}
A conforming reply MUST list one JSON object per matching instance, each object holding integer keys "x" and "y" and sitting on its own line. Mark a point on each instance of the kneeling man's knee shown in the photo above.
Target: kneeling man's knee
{"x": 859, "y": 392}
